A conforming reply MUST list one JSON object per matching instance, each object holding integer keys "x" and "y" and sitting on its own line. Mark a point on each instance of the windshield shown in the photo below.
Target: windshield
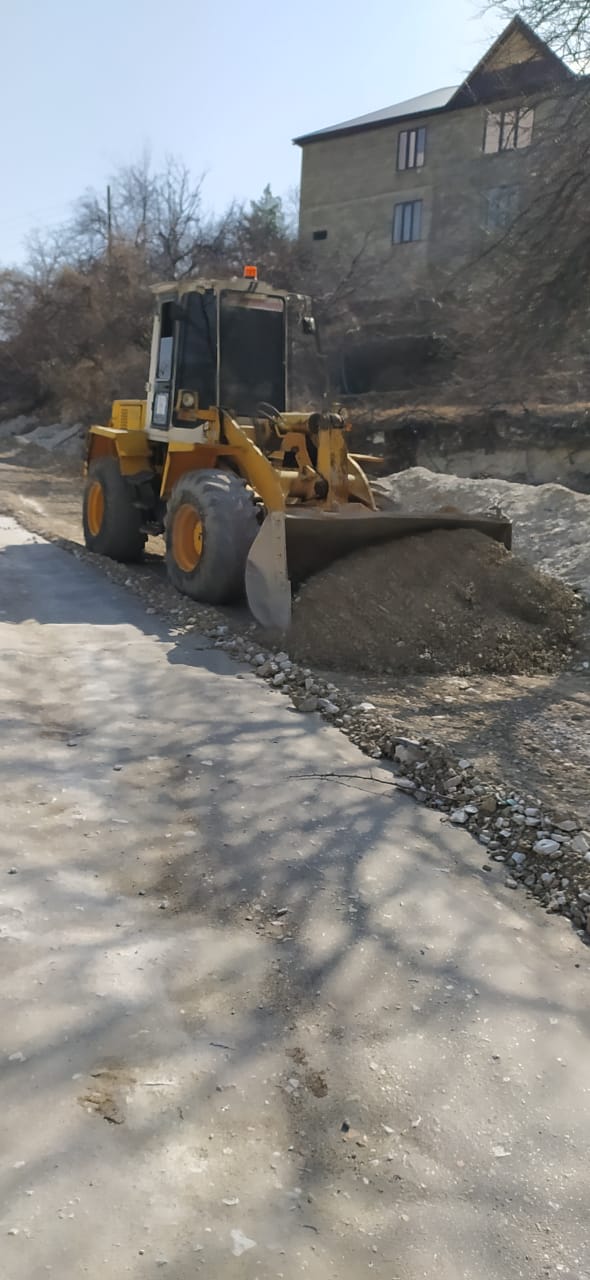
{"x": 252, "y": 352}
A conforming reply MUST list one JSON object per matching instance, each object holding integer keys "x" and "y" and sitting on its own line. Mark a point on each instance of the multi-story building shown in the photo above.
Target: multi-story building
{"x": 415, "y": 190}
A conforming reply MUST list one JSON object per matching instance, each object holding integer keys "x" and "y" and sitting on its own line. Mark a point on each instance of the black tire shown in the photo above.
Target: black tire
{"x": 228, "y": 524}
{"x": 112, "y": 524}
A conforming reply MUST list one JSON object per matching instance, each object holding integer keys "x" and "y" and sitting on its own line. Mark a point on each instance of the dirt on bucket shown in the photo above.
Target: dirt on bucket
{"x": 450, "y": 601}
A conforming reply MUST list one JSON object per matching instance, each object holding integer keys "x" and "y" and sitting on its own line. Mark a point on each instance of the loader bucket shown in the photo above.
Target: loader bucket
{"x": 294, "y": 544}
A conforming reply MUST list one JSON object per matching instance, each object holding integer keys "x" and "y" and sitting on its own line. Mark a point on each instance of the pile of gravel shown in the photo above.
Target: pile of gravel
{"x": 551, "y": 523}
{"x": 451, "y": 601}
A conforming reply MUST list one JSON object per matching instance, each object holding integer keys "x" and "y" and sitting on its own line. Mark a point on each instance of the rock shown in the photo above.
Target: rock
{"x": 580, "y": 844}
{"x": 452, "y": 783}
{"x": 588, "y": 922}
{"x": 548, "y": 848}
{"x": 489, "y": 804}
{"x": 268, "y": 668}
{"x": 259, "y": 660}
{"x": 511, "y": 883}
{"x": 459, "y": 817}
{"x": 365, "y": 706}
{"x": 518, "y": 858}
{"x": 307, "y": 704}
{"x": 329, "y": 708}
{"x": 279, "y": 678}
{"x": 408, "y": 752}
{"x": 405, "y": 784}
{"x": 567, "y": 826}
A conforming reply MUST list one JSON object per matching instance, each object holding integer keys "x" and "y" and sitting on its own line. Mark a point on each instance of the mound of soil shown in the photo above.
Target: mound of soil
{"x": 448, "y": 601}
{"x": 551, "y": 524}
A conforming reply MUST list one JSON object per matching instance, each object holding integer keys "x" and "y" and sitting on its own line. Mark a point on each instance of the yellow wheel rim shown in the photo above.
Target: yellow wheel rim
{"x": 95, "y": 508}
{"x": 187, "y": 538}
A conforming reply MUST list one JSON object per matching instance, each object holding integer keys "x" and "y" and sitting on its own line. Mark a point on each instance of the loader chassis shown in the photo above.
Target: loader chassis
{"x": 248, "y": 492}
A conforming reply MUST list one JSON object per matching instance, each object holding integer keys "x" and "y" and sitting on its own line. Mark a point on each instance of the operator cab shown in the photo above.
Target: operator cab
{"x": 217, "y": 345}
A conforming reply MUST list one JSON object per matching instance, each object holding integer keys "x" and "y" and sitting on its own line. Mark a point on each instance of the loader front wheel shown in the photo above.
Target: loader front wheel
{"x": 211, "y": 524}
{"x": 112, "y": 524}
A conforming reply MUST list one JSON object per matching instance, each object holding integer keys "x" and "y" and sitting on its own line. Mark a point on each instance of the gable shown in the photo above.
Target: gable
{"x": 516, "y": 48}
{"x": 519, "y": 62}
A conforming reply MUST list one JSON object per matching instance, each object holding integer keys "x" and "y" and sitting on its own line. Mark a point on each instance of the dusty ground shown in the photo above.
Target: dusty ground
{"x": 256, "y": 1023}
{"x": 531, "y": 732}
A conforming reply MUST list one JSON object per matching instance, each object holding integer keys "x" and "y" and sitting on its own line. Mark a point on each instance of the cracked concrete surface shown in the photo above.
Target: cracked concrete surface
{"x": 254, "y": 1023}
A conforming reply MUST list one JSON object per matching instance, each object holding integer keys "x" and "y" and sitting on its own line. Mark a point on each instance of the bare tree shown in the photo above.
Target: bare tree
{"x": 564, "y": 24}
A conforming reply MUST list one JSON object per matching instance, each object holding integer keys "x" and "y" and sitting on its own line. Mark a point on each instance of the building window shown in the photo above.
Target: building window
{"x": 319, "y": 235}
{"x": 411, "y": 149}
{"x": 501, "y": 208}
{"x": 407, "y": 222}
{"x": 508, "y": 130}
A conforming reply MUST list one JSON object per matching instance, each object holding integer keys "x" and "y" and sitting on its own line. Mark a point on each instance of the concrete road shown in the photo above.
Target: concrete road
{"x": 254, "y": 1022}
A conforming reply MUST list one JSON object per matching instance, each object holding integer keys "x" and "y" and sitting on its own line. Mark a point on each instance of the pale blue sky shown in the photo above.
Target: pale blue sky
{"x": 223, "y": 84}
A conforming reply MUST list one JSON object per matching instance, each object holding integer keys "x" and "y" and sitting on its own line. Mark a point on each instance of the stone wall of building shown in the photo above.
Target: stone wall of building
{"x": 350, "y": 186}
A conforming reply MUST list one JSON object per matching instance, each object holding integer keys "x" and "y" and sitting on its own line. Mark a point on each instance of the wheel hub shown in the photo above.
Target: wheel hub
{"x": 187, "y": 538}
{"x": 95, "y": 508}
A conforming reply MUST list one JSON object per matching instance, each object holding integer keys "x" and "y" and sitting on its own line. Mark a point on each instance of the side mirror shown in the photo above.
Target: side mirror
{"x": 308, "y": 324}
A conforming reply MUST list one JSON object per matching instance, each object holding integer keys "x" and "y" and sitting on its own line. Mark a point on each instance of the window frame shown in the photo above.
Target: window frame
{"x": 412, "y": 142}
{"x": 406, "y": 214}
{"x": 508, "y": 210}
{"x": 521, "y": 120}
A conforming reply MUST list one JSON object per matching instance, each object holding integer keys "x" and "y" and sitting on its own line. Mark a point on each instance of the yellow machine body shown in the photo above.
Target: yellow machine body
{"x": 312, "y": 499}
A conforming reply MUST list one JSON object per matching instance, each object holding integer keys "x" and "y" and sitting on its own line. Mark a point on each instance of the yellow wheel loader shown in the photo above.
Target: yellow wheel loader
{"x": 252, "y": 495}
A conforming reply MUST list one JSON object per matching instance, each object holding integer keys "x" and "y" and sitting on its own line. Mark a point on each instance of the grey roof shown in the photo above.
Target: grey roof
{"x": 422, "y": 105}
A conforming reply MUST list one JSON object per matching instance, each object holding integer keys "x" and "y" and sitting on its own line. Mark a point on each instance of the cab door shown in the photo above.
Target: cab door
{"x": 163, "y": 391}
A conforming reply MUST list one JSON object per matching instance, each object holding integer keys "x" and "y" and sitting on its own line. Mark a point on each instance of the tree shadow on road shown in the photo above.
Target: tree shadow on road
{"x": 316, "y": 943}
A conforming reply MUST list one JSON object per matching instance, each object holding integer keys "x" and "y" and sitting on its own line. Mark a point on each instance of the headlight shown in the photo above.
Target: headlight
{"x": 188, "y": 400}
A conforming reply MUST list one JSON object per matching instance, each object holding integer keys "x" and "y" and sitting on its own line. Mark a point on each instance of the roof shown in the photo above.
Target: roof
{"x": 423, "y": 105}
{"x": 479, "y": 85}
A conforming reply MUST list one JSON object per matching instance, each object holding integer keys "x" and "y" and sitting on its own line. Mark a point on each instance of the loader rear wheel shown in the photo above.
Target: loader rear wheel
{"x": 211, "y": 524}
{"x": 112, "y": 524}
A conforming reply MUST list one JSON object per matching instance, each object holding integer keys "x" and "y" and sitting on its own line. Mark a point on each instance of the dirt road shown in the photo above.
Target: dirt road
{"x": 253, "y": 1022}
